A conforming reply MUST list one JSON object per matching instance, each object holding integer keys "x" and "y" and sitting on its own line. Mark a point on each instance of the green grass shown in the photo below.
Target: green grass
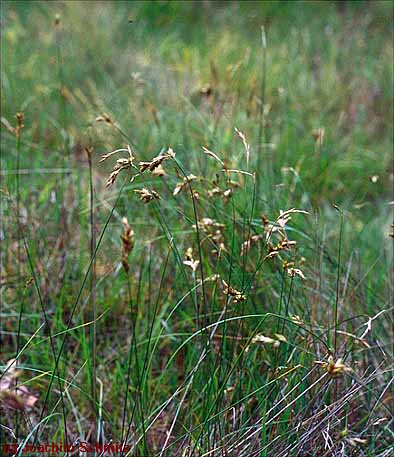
{"x": 165, "y": 357}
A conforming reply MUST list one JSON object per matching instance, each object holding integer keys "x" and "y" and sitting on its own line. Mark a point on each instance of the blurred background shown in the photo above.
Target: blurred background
{"x": 185, "y": 73}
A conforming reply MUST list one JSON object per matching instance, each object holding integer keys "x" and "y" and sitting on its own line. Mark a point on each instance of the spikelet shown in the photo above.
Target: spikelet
{"x": 147, "y": 195}
{"x": 318, "y": 136}
{"x": 334, "y": 369}
{"x": 284, "y": 216}
{"x": 292, "y": 272}
{"x": 181, "y": 185}
{"x": 217, "y": 192}
{"x": 20, "y": 117}
{"x": 156, "y": 161}
{"x": 159, "y": 171}
{"x": 274, "y": 251}
{"x": 121, "y": 164}
{"x": 237, "y": 295}
{"x": 190, "y": 261}
{"x": 212, "y": 154}
{"x": 127, "y": 238}
{"x": 246, "y": 245}
{"x": 206, "y": 223}
{"x": 245, "y": 143}
{"x": 266, "y": 340}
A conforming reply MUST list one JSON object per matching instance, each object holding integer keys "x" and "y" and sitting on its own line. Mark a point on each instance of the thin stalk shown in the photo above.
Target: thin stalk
{"x": 75, "y": 305}
{"x": 282, "y": 291}
{"x": 132, "y": 346}
{"x": 142, "y": 378}
{"x": 18, "y": 130}
{"x": 60, "y": 75}
{"x": 18, "y": 345}
{"x": 220, "y": 359}
{"x": 47, "y": 324}
{"x": 200, "y": 257}
{"x": 93, "y": 279}
{"x": 262, "y": 132}
{"x": 337, "y": 285}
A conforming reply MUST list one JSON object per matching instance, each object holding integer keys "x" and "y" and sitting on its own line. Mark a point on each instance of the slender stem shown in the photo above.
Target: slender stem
{"x": 132, "y": 345}
{"x": 200, "y": 320}
{"x": 282, "y": 292}
{"x": 337, "y": 286}
{"x": 93, "y": 280}
{"x": 19, "y": 252}
{"x": 47, "y": 324}
{"x": 75, "y": 305}
{"x": 62, "y": 100}
{"x": 262, "y": 132}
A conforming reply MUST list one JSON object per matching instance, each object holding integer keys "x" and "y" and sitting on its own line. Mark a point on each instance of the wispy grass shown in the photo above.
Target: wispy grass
{"x": 234, "y": 311}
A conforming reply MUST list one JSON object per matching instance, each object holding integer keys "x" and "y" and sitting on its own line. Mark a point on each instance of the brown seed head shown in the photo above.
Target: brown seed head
{"x": 237, "y": 295}
{"x": 19, "y": 123}
{"x": 127, "y": 238}
{"x": 295, "y": 272}
{"x": 246, "y": 245}
{"x": 156, "y": 161}
{"x": 147, "y": 195}
{"x": 334, "y": 369}
{"x": 190, "y": 261}
{"x": 181, "y": 185}
{"x": 121, "y": 164}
